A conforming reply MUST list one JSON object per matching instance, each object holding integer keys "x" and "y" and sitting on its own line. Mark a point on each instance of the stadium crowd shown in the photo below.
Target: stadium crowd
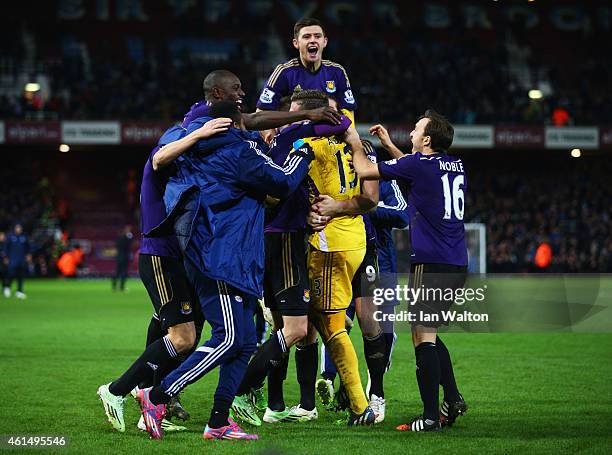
{"x": 568, "y": 209}
{"x": 158, "y": 84}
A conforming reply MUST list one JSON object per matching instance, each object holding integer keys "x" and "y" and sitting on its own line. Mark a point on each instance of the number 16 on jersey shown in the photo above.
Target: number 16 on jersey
{"x": 453, "y": 199}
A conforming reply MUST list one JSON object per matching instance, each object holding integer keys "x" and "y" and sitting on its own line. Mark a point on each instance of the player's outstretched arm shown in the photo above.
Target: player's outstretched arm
{"x": 363, "y": 166}
{"x": 385, "y": 140}
{"x": 257, "y": 171}
{"x": 168, "y": 153}
{"x": 265, "y": 120}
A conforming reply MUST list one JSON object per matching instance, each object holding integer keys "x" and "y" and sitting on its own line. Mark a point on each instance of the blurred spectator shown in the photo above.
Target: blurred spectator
{"x": 124, "y": 244}
{"x": 70, "y": 261}
{"x": 130, "y": 190}
{"x": 543, "y": 256}
{"x": 560, "y": 117}
{"x": 16, "y": 258}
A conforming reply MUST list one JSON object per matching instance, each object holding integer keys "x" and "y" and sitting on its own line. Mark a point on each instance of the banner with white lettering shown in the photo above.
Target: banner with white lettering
{"x": 572, "y": 136}
{"x": 473, "y": 136}
{"x": 91, "y": 132}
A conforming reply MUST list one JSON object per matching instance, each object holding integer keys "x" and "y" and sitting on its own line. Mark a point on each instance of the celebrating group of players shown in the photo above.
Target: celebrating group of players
{"x": 294, "y": 212}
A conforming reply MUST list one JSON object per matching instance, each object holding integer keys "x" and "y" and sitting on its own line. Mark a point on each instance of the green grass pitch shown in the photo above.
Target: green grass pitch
{"x": 527, "y": 392}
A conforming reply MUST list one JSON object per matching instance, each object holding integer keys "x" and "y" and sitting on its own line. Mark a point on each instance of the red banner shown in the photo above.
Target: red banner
{"x": 466, "y": 136}
{"x": 146, "y": 133}
{"x": 400, "y": 134}
{"x": 33, "y": 132}
{"x": 519, "y": 136}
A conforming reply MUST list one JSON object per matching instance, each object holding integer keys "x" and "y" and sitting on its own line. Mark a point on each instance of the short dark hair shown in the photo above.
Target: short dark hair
{"x": 309, "y": 99}
{"x": 226, "y": 109}
{"x": 439, "y": 129}
{"x": 306, "y": 22}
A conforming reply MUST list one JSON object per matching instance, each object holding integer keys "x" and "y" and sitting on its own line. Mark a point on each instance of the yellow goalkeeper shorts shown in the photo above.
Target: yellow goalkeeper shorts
{"x": 331, "y": 274}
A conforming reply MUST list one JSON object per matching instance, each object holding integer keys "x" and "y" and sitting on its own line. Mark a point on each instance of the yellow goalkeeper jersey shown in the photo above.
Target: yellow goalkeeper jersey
{"x": 332, "y": 173}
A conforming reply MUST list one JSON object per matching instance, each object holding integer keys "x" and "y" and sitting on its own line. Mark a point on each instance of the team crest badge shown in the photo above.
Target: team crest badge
{"x": 186, "y": 308}
{"x": 306, "y": 295}
{"x": 330, "y": 86}
{"x": 238, "y": 299}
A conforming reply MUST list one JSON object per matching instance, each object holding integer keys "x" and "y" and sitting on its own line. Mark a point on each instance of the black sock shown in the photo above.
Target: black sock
{"x": 447, "y": 376}
{"x": 158, "y": 396}
{"x": 374, "y": 350}
{"x": 271, "y": 350}
{"x": 154, "y": 356}
{"x": 306, "y": 363}
{"x": 388, "y": 348}
{"x": 163, "y": 370}
{"x": 276, "y": 377}
{"x": 154, "y": 333}
{"x": 219, "y": 413}
{"x": 171, "y": 365}
{"x": 428, "y": 377}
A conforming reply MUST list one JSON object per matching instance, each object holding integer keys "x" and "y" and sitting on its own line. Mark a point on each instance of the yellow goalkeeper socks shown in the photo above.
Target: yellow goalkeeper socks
{"x": 343, "y": 354}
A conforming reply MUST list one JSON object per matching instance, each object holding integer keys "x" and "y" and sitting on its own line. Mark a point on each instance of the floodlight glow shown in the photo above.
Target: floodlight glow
{"x": 64, "y": 148}
{"x": 576, "y": 153}
{"x": 32, "y": 87}
{"x": 535, "y": 94}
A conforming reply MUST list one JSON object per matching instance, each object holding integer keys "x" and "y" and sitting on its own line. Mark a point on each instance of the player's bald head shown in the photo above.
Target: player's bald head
{"x": 218, "y": 79}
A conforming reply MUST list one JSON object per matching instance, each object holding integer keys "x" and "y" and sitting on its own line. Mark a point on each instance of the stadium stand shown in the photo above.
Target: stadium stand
{"x": 26, "y": 197}
{"x": 97, "y": 216}
{"x": 474, "y": 76}
{"x": 522, "y": 207}
{"x": 567, "y": 206}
